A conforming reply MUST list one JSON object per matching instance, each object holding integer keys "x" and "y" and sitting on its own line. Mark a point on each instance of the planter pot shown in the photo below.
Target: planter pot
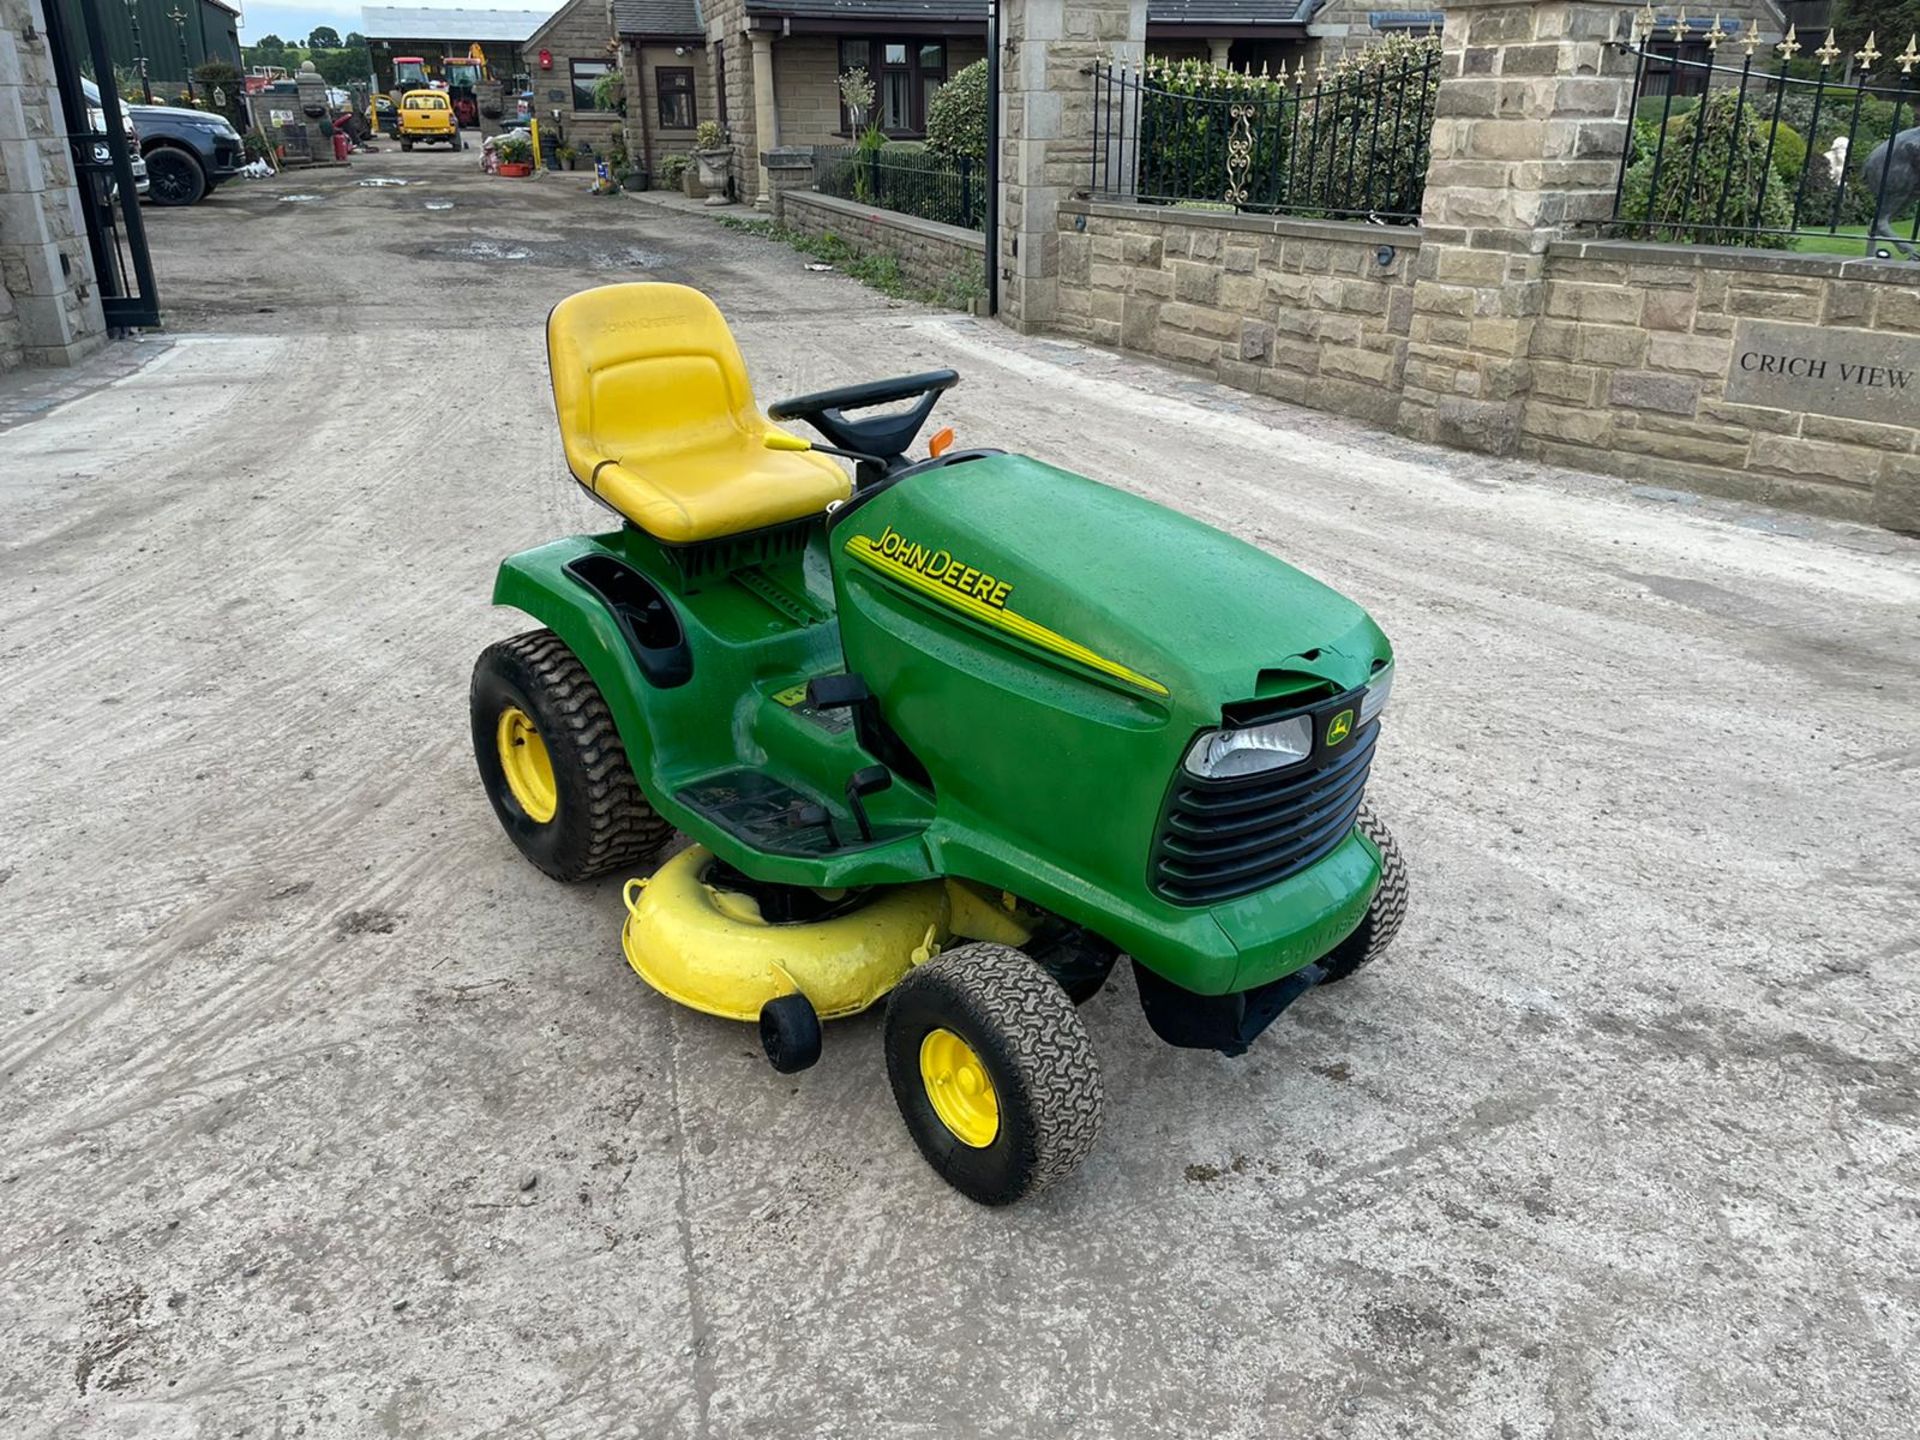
{"x": 690, "y": 185}
{"x": 716, "y": 168}
{"x": 515, "y": 171}
{"x": 634, "y": 180}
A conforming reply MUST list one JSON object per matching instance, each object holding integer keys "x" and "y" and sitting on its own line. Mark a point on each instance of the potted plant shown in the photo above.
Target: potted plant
{"x": 515, "y": 156}
{"x": 716, "y": 160}
{"x": 568, "y": 156}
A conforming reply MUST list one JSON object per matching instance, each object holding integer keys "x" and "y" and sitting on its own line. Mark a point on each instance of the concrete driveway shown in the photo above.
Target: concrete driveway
{"x": 326, "y": 1115}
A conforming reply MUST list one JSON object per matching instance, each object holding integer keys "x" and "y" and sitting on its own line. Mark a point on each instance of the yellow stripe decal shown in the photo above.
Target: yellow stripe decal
{"x": 863, "y": 549}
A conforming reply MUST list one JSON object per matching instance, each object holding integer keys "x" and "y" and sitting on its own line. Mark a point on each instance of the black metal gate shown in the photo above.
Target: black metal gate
{"x": 103, "y": 169}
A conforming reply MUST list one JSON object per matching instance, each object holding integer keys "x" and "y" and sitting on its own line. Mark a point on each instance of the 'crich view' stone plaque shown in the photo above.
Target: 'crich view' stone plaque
{"x": 1855, "y": 374}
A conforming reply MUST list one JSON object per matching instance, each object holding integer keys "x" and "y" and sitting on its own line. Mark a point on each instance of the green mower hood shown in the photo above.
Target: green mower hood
{"x": 1111, "y": 587}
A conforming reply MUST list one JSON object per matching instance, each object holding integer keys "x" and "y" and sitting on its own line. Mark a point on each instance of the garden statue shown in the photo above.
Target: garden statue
{"x": 1836, "y": 158}
{"x": 1892, "y": 173}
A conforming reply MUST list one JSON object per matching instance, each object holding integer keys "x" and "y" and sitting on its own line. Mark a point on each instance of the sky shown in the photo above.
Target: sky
{"x": 294, "y": 20}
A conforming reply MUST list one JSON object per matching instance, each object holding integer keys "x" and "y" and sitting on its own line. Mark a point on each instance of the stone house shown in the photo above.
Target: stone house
{"x": 670, "y": 77}
{"x": 768, "y": 70}
{"x": 566, "y": 57}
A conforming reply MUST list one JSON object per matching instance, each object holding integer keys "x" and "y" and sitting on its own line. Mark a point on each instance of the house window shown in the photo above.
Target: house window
{"x": 585, "y": 73}
{"x": 675, "y": 86}
{"x": 906, "y": 75}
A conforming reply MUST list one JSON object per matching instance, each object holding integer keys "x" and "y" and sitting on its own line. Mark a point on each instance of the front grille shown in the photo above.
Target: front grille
{"x": 1222, "y": 838}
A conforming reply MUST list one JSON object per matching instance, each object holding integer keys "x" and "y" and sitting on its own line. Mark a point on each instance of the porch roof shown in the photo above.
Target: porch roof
{"x": 855, "y": 15}
{"x": 675, "y": 18}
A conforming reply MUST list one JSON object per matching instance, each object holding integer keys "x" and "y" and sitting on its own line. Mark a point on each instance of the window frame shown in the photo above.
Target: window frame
{"x": 917, "y": 74}
{"x": 661, "y": 94}
{"x": 605, "y": 67}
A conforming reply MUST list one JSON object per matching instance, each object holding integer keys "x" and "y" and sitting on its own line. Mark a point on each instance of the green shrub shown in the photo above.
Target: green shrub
{"x": 1711, "y": 169}
{"x": 672, "y": 168}
{"x": 957, "y": 118}
{"x": 1355, "y": 141}
{"x": 1789, "y": 151}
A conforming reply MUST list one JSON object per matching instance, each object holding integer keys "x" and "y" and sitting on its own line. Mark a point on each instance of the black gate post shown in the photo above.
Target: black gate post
{"x": 993, "y": 157}
{"x": 125, "y": 301}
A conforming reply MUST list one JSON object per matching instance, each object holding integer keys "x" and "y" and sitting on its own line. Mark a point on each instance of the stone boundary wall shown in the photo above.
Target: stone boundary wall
{"x": 1638, "y": 346}
{"x": 1308, "y": 311}
{"x": 929, "y": 253}
{"x": 1625, "y": 371}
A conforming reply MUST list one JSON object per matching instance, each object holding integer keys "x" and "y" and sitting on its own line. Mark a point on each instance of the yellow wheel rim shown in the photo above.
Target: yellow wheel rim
{"x": 959, "y": 1089}
{"x": 529, "y": 771}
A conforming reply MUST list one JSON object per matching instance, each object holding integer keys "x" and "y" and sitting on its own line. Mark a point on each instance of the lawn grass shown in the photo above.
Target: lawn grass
{"x": 1850, "y": 240}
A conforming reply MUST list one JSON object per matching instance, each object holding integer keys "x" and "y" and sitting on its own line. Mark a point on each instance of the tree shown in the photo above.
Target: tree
{"x": 343, "y": 67}
{"x": 324, "y": 37}
{"x": 1891, "y": 22}
{"x": 270, "y": 44}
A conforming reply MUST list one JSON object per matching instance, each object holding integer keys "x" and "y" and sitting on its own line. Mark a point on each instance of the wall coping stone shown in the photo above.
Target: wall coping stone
{"x": 1730, "y": 257}
{"x": 788, "y": 157}
{"x": 912, "y": 224}
{"x": 1401, "y": 237}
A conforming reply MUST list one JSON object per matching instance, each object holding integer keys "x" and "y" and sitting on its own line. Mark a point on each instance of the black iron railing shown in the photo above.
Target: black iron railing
{"x": 949, "y": 189}
{"x": 1347, "y": 143}
{"x": 1730, "y": 146}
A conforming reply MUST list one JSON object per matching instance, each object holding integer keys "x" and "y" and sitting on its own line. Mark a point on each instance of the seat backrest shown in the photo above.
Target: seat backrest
{"x": 645, "y": 372}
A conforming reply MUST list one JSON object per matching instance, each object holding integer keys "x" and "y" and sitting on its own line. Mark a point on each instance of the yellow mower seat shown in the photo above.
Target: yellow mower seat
{"x": 658, "y": 418}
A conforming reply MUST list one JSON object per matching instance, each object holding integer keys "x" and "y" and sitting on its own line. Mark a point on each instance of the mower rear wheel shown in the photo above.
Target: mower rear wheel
{"x": 553, "y": 764}
{"x": 1389, "y": 907}
{"x": 993, "y": 1072}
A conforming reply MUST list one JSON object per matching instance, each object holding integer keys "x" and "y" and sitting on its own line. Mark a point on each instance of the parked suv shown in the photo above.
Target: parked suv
{"x": 97, "y": 122}
{"x": 188, "y": 152}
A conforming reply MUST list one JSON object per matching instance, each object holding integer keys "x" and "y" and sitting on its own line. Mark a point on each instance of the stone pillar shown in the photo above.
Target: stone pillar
{"x": 49, "y": 307}
{"x": 788, "y": 168}
{"x": 490, "y": 99}
{"x": 1046, "y": 132}
{"x": 766, "y": 117}
{"x": 1531, "y": 120}
{"x": 1220, "y": 48}
{"x": 312, "y": 92}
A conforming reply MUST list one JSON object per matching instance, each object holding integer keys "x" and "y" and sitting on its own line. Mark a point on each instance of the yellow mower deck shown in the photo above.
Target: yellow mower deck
{"x": 711, "y": 949}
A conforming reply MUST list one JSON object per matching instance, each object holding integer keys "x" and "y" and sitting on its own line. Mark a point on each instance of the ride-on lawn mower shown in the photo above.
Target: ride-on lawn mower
{"x": 954, "y": 733}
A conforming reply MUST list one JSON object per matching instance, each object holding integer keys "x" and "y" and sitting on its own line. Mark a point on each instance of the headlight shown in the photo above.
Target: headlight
{"x": 1223, "y": 754}
{"x": 1375, "y": 700}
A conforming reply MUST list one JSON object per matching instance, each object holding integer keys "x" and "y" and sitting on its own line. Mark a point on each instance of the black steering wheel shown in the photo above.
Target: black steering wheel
{"x": 884, "y": 437}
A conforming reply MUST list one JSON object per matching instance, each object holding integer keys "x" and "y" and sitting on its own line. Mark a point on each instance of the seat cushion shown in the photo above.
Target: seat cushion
{"x": 659, "y": 421}
{"x": 705, "y": 493}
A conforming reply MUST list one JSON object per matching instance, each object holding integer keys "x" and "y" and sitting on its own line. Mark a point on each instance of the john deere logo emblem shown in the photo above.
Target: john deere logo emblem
{"x": 1340, "y": 727}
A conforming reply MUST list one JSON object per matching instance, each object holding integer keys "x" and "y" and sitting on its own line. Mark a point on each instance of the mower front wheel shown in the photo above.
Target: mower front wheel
{"x": 993, "y": 1072}
{"x": 553, "y": 764}
{"x": 1388, "y": 908}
